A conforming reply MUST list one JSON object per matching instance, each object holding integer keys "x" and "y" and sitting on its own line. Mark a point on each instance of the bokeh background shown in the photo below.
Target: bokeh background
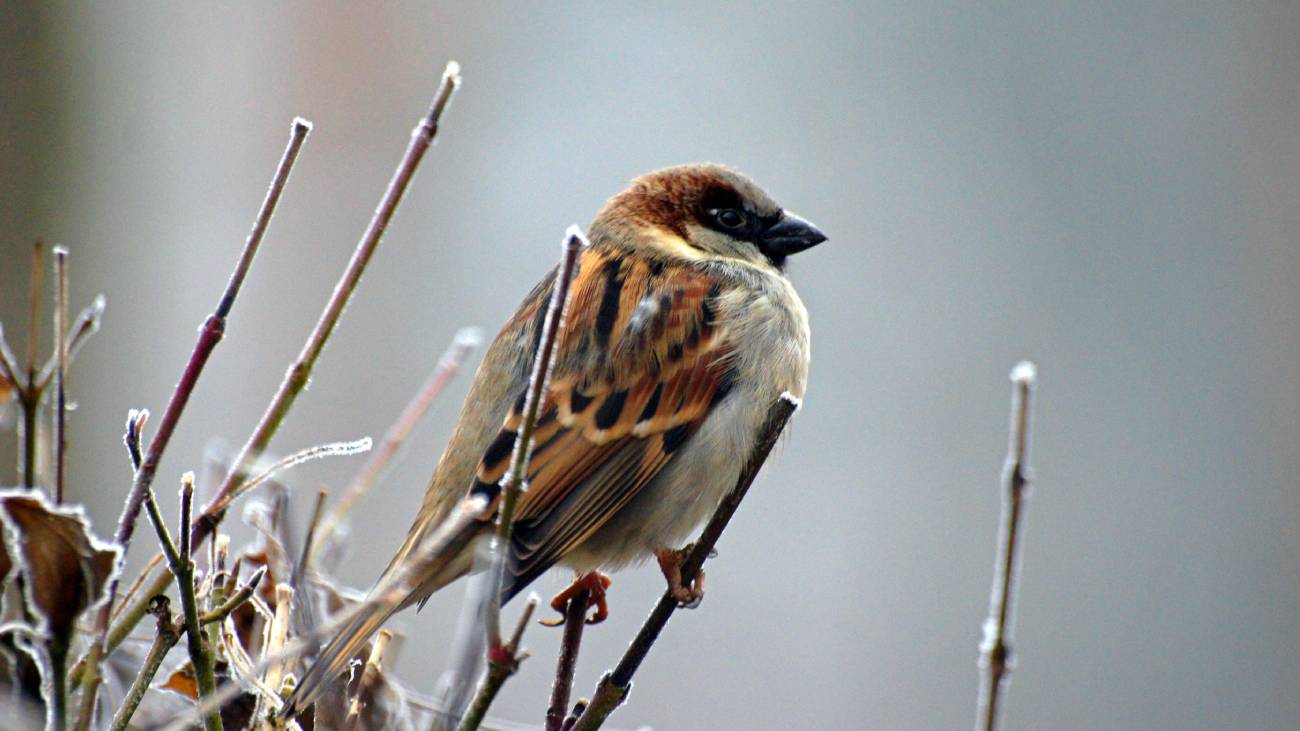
{"x": 1110, "y": 190}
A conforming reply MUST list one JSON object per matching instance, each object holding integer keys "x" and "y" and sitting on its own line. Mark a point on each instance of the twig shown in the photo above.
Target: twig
{"x": 29, "y": 399}
{"x": 574, "y": 622}
{"x": 167, "y": 634}
{"x": 298, "y": 374}
{"x": 209, "y": 335}
{"x": 369, "y": 675}
{"x": 183, "y": 569}
{"x": 614, "y": 686}
{"x": 332, "y": 449}
{"x": 87, "y": 324}
{"x": 501, "y": 658}
{"x": 33, "y": 312}
{"x": 512, "y": 484}
{"x": 299, "y": 568}
{"x": 465, "y": 341}
{"x": 995, "y": 650}
{"x": 279, "y": 637}
{"x": 501, "y": 665}
{"x": 61, "y": 370}
{"x": 236, "y": 600}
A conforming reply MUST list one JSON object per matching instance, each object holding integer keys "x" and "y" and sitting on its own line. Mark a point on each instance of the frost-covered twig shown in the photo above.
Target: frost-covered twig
{"x": 995, "y": 650}
{"x": 614, "y": 686}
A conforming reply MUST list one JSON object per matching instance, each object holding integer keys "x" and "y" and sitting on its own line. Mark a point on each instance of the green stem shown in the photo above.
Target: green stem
{"x": 167, "y": 636}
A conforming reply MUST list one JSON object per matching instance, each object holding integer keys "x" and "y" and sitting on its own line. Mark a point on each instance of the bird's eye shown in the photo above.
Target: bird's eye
{"x": 729, "y": 218}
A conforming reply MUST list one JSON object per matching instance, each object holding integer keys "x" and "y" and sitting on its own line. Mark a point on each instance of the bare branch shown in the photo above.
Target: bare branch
{"x": 995, "y": 650}
{"x": 166, "y": 635}
{"x": 503, "y": 661}
{"x": 575, "y": 615}
{"x": 87, "y": 324}
{"x": 501, "y": 656}
{"x": 614, "y": 687}
{"x": 369, "y": 675}
{"x": 61, "y": 370}
{"x": 183, "y": 569}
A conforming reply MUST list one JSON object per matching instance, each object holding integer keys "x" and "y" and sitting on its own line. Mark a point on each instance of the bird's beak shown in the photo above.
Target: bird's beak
{"x": 789, "y": 235}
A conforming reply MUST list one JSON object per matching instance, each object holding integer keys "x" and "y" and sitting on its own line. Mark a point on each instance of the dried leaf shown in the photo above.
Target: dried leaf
{"x": 183, "y": 681}
{"x": 64, "y": 567}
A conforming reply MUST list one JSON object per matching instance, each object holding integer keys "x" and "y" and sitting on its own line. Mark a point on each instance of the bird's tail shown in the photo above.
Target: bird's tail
{"x": 428, "y": 566}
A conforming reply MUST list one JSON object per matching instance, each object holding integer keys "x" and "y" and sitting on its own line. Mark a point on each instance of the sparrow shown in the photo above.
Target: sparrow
{"x": 681, "y": 330}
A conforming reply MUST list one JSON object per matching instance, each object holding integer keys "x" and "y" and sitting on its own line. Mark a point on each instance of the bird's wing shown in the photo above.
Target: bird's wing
{"x": 641, "y": 361}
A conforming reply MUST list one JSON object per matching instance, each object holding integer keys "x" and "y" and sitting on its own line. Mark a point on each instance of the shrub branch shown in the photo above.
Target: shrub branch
{"x": 614, "y": 686}
{"x": 995, "y": 650}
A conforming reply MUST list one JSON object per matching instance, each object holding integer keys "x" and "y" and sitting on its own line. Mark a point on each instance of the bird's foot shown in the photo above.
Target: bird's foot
{"x": 688, "y": 595}
{"x": 594, "y": 584}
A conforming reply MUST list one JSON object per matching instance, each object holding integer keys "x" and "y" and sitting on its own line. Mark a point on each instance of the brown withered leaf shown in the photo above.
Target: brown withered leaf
{"x": 183, "y": 681}
{"x": 236, "y": 713}
{"x": 64, "y": 567}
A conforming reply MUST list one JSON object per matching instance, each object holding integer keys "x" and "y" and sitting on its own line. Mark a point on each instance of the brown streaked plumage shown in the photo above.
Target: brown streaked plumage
{"x": 681, "y": 329}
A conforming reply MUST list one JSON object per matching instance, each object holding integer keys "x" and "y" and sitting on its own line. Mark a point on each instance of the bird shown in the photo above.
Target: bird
{"x": 681, "y": 329}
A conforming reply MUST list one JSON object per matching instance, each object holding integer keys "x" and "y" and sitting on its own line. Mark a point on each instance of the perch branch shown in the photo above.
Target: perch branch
{"x": 502, "y": 660}
{"x": 575, "y": 615}
{"x": 614, "y": 686}
{"x": 995, "y": 650}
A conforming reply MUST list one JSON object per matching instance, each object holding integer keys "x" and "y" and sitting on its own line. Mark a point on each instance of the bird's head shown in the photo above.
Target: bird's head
{"x": 704, "y": 211}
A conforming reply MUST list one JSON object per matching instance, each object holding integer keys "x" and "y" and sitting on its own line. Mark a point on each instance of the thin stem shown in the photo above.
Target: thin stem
{"x": 183, "y": 569}
{"x": 574, "y": 622}
{"x": 61, "y": 370}
{"x": 87, "y": 324}
{"x": 397, "y": 434}
{"x": 166, "y": 635}
{"x": 501, "y": 665}
{"x": 236, "y": 600}
{"x": 29, "y": 398}
{"x": 543, "y": 362}
{"x": 209, "y": 336}
{"x": 614, "y": 686}
{"x": 995, "y": 650}
{"x": 298, "y": 374}
{"x": 34, "y": 307}
{"x": 369, "y": 675}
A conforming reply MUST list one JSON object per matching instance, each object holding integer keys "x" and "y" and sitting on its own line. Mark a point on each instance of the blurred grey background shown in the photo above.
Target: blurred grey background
{"x": 1109, "y": 190}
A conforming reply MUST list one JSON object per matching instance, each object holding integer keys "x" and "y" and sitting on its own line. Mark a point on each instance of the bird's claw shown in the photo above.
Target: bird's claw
{"x": 670, "y": 562}
{"x": 595, "y": 585}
